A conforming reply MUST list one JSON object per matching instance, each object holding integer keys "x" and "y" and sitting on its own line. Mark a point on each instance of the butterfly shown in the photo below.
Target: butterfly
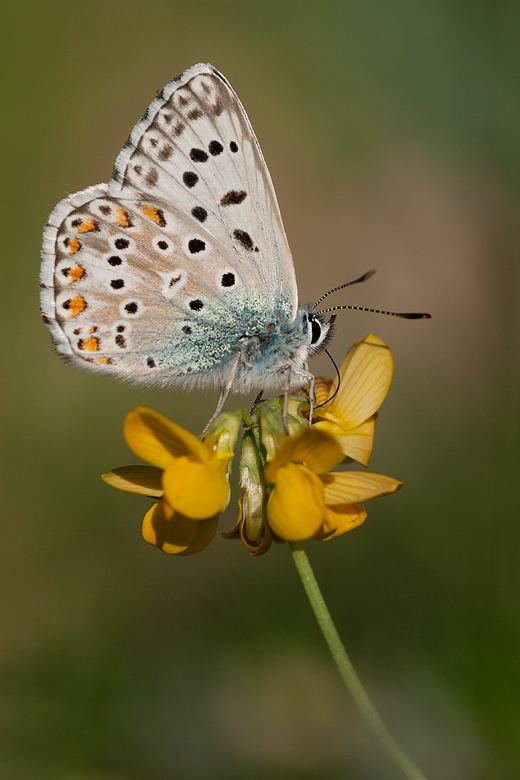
{"x": 178, "y": 271}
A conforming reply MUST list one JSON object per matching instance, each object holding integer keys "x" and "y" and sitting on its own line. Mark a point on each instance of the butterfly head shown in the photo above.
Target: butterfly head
{"x": 319, "y": 330}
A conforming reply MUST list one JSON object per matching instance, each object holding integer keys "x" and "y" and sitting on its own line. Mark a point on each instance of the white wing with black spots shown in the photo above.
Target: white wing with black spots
{"x": 181, "y": 260}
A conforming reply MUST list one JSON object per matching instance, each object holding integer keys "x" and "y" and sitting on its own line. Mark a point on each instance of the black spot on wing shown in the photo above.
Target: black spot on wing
{"x": 199, "y": 213}
{"x": 159, "y": 216}
{"x": 198, "y": 155}
{"x": 215, "y": 148}
{"x": 245, "y": 239}
{"x": 152, "y": 177}
{"x": 228, "y": 280}
{"x": 190, "y": 178}
{"x": 195, "y": 245}
{"x": 233, "y": 198}
{"x": 165, "y": 153}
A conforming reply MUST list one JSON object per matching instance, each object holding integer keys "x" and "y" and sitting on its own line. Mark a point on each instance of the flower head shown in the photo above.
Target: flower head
{"x": 289, "y": 491}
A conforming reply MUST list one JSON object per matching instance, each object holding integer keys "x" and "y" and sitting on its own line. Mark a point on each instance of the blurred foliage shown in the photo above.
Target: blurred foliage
{"x": 392, "y": 132}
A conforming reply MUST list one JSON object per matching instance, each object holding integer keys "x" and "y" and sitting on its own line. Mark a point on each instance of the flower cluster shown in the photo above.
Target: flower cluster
{"x": 289, "y": 491}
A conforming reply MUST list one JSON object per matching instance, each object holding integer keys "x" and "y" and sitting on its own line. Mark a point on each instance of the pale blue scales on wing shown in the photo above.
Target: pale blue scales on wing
{"x": 178, "y": 271}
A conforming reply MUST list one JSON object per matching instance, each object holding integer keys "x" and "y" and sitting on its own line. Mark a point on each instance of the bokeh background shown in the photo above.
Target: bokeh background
{"x": 392, "y": 132}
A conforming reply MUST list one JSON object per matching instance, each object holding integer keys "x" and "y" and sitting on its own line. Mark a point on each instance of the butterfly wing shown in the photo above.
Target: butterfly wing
{"x": 155, "y": 275}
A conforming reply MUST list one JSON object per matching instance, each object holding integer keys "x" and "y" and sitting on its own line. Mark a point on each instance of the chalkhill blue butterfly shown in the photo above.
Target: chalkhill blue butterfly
{"x": 178, "y": 271}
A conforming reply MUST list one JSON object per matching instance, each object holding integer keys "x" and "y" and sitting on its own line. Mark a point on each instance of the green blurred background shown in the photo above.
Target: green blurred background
{"x": 392, "y": 131}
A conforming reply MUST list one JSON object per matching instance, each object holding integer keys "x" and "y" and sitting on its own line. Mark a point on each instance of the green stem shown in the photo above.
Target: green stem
{"x": 344, "y": 664}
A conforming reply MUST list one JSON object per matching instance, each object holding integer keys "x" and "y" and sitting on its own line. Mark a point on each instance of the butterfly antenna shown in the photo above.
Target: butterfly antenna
{"x": 413, "y": 315}
{"x": 348, "y": 284}
{"x": 339, "y": 382}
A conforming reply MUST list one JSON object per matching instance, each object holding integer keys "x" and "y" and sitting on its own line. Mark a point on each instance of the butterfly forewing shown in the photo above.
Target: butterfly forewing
{"x": 195, "y": 146}
{"x": 156, "y": 274}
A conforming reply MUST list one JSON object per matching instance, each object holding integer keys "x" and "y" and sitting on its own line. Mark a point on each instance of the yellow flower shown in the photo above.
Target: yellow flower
{"x": 288, "y": 489}
{"x": 306, "y": 502}
{"x": 350, "y": 415}
{"x": 188, "y": 476}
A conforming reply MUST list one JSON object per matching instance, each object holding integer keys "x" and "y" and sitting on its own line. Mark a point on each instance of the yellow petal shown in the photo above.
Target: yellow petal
{"x": 204, "y": 534}
{"x": 155, "y": 438}
{"x": 169, "y": 532}
{"x": 317, "y": 449}
{"x": 339, "y": 519}
{"x": 347, "y": 487}
{"x": 322, "y": 385}
{"x": 296, "y": 506}
{"x": 145, "y": 480}
{"x": 175, "y": 534}
{"x": 366, "y": 375}
{"x": 356, "y": 443}
{"x": 197, "y": 490}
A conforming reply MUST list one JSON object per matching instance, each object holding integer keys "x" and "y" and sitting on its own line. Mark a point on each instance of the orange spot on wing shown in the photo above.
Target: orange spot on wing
{"x": 87, "y": 225}
{"x": 102, "y": 360}
{"x": 75, "y": 273}
{"x": 76, "y": 305}
{"x": 122, "y": 218}
{"x": 151, "y": 212}
{"x": 91, "y": 344}
{"x": 73, "y": 245}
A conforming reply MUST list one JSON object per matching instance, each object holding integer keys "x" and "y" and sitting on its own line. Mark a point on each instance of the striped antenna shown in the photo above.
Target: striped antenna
{"x": 348, "y": 284}
{"x": 407, "y": 316}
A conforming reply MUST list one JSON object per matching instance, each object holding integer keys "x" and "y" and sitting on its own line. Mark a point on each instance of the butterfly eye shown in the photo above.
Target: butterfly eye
{"x": 315, "y": 331}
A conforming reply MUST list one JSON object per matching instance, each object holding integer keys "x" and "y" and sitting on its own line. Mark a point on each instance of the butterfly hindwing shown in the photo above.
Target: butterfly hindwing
{"x": 125, "y": 296}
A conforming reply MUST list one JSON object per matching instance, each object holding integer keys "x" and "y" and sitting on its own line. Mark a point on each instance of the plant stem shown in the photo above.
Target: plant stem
{"x": 344, "y": 664}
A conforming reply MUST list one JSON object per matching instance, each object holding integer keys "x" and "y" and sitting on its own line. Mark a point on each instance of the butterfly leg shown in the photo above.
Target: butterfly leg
{"x": 224, "y": 392}
{"x": 288, "y": 377}
{"x": 256, "y": 402}
{"x": 310, "y": 380}
{"x": 312, "y": 397}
